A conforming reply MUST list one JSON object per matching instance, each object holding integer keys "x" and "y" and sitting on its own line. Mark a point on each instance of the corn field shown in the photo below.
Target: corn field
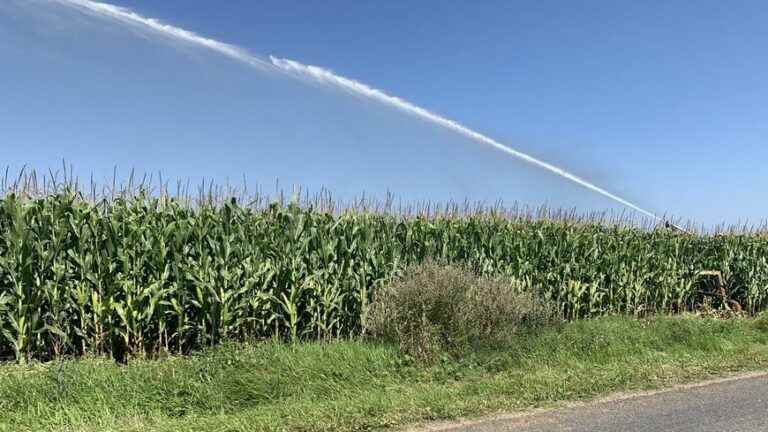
{"x": 147, "y": 274}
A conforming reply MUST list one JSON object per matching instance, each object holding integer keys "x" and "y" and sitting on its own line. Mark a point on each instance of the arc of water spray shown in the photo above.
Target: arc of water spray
{"x": 291, "y": 67}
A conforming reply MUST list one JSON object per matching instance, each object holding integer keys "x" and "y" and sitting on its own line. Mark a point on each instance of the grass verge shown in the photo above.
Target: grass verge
{"x": 346, "y": 386}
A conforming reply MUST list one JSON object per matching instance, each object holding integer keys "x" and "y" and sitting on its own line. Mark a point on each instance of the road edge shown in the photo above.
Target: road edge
{"x": 613, "y": 397}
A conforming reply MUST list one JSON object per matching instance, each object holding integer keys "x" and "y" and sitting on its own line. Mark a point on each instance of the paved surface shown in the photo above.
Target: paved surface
{"x": 733, "y": 405}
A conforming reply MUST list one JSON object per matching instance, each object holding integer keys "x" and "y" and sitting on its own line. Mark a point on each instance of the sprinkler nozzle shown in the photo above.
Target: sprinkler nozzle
{"x": 674, "y": 227}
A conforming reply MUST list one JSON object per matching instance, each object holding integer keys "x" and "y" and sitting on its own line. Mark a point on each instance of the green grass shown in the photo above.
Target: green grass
{"x": 345, "y": 386}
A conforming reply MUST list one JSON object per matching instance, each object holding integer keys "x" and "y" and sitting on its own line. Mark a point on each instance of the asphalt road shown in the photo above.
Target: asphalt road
{"x": 732, "y": 405}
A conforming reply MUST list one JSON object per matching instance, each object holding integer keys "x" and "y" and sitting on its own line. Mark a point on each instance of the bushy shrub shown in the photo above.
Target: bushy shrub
{"x": 433, "y": 308}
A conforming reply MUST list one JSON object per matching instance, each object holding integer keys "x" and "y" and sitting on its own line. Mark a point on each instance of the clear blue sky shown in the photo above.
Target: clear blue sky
{"x": 662, "y": 102}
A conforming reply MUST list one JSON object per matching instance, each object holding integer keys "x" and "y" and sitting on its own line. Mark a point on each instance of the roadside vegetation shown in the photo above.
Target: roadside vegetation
{"x": 141, "y": 311}
{"x": 366, "y": 385}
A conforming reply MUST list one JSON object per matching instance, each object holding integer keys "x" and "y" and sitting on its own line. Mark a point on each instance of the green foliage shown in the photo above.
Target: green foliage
{"x": 436, "y": 308}
{"x": 363, "y": 386}
{"x": 147, "y": 275}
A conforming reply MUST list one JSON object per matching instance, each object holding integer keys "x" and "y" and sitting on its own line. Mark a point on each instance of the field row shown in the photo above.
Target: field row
{"x": 144, "y": 275}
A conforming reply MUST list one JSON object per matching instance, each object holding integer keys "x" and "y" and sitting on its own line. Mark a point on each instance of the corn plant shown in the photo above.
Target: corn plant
{"x": 147, "y": 273}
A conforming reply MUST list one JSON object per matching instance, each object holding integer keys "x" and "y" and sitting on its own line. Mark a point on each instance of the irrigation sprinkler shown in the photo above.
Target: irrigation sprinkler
{"x": 672, "y": 226}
